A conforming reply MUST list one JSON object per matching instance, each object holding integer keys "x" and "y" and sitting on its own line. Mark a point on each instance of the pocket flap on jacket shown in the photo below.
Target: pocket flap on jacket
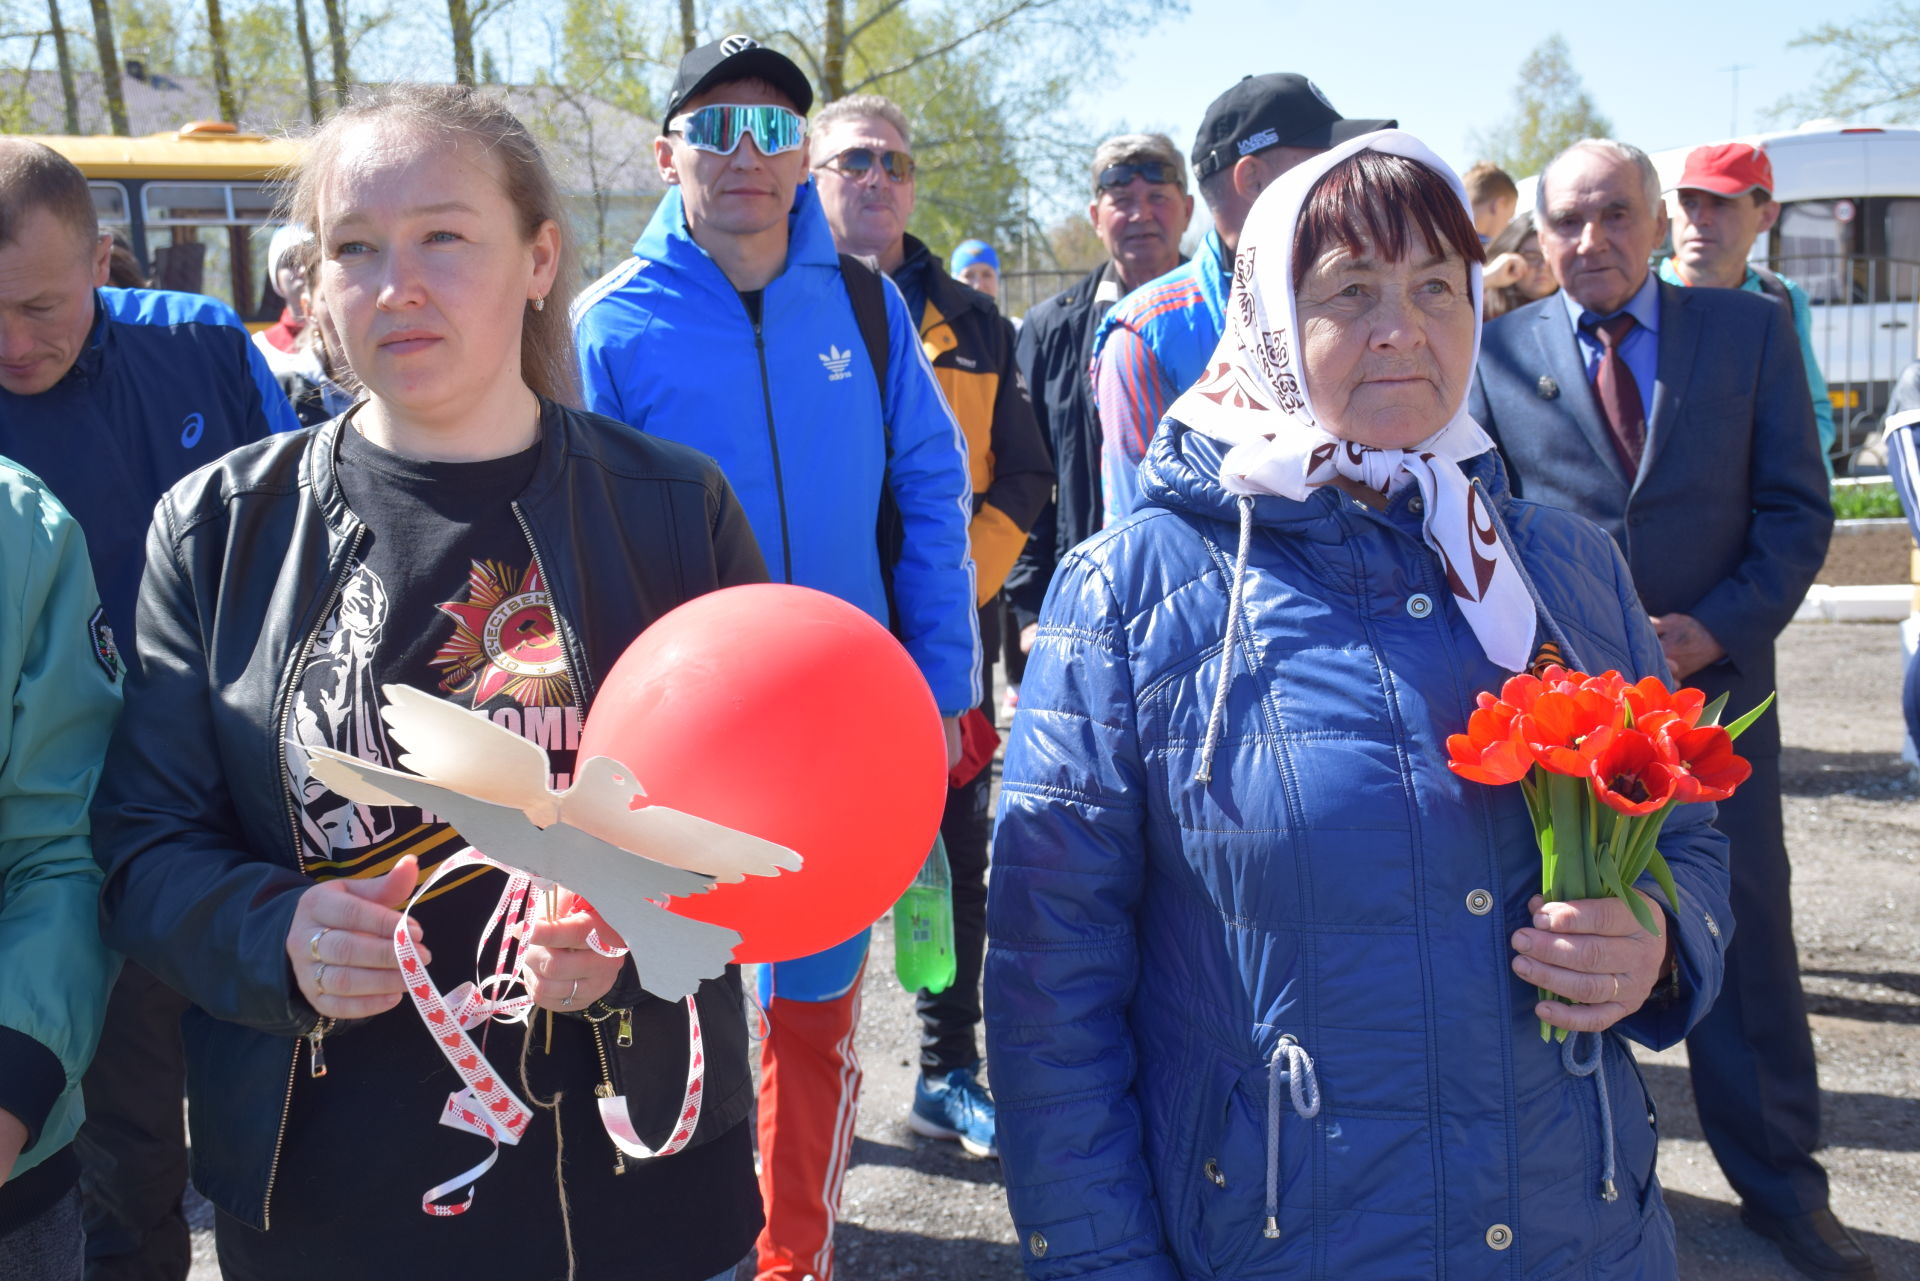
{"x": 1062, "y": 1237}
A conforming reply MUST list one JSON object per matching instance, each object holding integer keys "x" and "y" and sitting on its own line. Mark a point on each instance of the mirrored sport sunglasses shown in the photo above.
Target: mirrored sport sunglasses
{"x": 720, "y": 127}
{"x": 1152, "y": 170}
{"x": 858, "y": 162}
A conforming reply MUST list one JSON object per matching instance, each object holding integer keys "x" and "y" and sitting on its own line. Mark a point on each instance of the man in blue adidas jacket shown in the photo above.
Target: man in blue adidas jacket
{"x": 731, "y": 329}
{"x": 1157, "y": 340}
{"x": 110, "y": 396}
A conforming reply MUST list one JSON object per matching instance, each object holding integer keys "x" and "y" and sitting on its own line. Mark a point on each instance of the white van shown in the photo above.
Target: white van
{"x": 1849, "y": 234}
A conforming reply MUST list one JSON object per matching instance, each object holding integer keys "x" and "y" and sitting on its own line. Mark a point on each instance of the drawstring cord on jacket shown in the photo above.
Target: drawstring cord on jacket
{"x": 1215, "y": 718}
{"x": 1229, "y": 640}
{"x": 1589, "y": 1067}
{"x": 1292, "y": 1064}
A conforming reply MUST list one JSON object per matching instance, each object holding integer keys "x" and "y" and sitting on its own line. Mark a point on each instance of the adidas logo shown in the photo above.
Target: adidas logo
{"x": 836, "y": 362}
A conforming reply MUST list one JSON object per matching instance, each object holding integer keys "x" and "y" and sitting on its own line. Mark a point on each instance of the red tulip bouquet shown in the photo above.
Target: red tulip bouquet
{"x": 1602, "y": 762}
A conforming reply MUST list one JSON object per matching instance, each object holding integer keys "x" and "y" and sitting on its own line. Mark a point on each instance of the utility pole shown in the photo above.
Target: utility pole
{"x": 1733, "y": 111}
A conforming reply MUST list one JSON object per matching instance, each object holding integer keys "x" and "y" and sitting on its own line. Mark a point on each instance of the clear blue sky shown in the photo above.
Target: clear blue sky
{"x": 1651, "y": 66}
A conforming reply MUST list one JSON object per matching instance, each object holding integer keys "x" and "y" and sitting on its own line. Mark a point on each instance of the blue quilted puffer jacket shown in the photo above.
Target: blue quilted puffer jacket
{"x": 1265, "y": 1026}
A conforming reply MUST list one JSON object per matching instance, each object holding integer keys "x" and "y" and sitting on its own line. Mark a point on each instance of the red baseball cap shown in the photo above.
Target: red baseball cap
{"x": 1727, "y": 169}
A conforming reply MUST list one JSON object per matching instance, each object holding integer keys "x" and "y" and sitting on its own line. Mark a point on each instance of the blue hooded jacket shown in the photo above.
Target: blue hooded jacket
{"x": 166, "y": 383}
{"x": 791, "y": 410}
{"x": 1164, "y": 953}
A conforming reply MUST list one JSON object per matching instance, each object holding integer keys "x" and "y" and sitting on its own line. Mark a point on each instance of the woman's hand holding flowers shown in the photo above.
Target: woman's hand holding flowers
{"x": 1591, "y": 951}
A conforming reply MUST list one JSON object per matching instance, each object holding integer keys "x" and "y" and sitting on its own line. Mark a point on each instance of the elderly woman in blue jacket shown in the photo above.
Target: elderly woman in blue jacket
{"x": 1261, "y": 979}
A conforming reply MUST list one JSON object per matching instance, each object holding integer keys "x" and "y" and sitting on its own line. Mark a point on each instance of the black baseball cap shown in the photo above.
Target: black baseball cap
{"x": 736, "y": 58}
{"x": 1278, "y": 110}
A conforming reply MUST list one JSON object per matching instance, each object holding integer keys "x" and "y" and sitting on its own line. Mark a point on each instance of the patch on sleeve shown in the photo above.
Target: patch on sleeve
{"x": 105, "y": 652}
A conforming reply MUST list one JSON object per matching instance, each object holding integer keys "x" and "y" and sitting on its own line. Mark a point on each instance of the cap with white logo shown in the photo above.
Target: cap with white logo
{"x": 1277, "y": 110}
{"x": 736, "y": 58}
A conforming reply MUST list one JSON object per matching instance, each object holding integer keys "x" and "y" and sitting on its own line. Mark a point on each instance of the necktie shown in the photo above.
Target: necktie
{"x": 1618, "y": 391}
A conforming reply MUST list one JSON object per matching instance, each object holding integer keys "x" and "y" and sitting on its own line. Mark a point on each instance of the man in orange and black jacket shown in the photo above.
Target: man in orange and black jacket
{"x": 864, "y": 172}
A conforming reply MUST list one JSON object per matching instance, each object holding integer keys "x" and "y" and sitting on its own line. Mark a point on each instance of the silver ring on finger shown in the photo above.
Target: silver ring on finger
{"x": 320, "y": 978}
{"x": 1616, "y": 988}
{"x": 568, "y": 999}
{"x": 313, "y": 944}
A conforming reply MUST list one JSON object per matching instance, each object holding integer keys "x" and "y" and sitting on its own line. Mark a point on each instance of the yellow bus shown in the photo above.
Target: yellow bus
{"x": 192, "y": 204}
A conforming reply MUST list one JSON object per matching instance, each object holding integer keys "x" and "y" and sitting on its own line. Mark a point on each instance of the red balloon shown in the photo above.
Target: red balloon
{"x": 791, "y": 715}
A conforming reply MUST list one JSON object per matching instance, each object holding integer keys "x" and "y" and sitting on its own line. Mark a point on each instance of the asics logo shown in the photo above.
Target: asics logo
{"x": 192, "y": 429}
{"x": 836, "y": 362}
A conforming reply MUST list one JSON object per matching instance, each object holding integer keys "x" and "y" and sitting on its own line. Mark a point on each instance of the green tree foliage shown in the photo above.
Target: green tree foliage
{"x": 610, "y": 49}
{"x": 1551, "y": 109}
{"x": 153, "y": 32}
{"x": 964, "y": 138}
{"x": 1872, "y": 69}
{"x": 260, "y": 54}
{"x": 25, "y": 41}
{"x": 980, "y": 79}
{"x": 606, "y": 57}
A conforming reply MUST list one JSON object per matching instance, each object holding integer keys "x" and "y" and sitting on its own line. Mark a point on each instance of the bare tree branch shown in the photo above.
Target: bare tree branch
{"x": 992, "y": 24}
{"x": 860, "y": 28}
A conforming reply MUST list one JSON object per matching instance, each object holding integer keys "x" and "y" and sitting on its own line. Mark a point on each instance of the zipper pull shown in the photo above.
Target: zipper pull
{"x": 317, "y": 1067}
{"x": 624, "y": 1036}
{"x": 604, "y": 1090}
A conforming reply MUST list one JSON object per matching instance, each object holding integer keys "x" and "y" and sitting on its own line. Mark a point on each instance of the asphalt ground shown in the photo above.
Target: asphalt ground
{"x": 918, "y": 1208}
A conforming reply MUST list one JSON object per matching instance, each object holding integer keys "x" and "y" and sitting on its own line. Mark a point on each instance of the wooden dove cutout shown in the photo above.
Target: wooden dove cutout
{"x": 490, "y": 785}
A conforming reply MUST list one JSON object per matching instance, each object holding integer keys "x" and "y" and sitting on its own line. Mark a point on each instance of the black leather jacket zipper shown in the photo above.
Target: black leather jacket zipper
{"x": 288, "y": 685}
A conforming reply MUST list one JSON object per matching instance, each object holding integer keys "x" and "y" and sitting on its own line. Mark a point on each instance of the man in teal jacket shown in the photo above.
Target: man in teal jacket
{"x": 735, "y": 329}
{"x": 1722, "y": 204}
{"x": 59, "y": 695}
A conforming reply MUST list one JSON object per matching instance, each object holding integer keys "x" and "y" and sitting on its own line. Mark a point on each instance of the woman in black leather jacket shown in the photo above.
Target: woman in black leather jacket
{"x": 463, "y": 532}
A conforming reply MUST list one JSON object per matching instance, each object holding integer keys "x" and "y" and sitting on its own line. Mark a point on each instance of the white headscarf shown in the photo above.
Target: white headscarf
{"x": 1254, "y": 398}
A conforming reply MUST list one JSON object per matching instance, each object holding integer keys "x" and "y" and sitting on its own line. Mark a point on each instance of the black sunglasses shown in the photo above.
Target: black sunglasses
{"x": 1151, "y": 170}
{"x": 858, "y": 162}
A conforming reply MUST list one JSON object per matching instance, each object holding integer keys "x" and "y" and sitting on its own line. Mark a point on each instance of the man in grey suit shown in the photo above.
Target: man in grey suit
{"x": 1679, "y": 420}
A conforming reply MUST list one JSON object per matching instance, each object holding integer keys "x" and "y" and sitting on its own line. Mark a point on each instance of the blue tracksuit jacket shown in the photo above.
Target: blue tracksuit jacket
{"x": 792, "y": 412}
{"x": 1152, "y": 346}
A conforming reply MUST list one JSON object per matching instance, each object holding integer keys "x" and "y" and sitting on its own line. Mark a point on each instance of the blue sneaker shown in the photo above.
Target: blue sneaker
{"x": 955, "y": 1107}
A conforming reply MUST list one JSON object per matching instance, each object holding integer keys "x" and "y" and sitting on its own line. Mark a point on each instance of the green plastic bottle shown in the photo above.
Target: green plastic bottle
{"x": 923, "y": 927}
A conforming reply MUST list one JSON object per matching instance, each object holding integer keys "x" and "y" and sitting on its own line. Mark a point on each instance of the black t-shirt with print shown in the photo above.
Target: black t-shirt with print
{"x": 446, "y": 597}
